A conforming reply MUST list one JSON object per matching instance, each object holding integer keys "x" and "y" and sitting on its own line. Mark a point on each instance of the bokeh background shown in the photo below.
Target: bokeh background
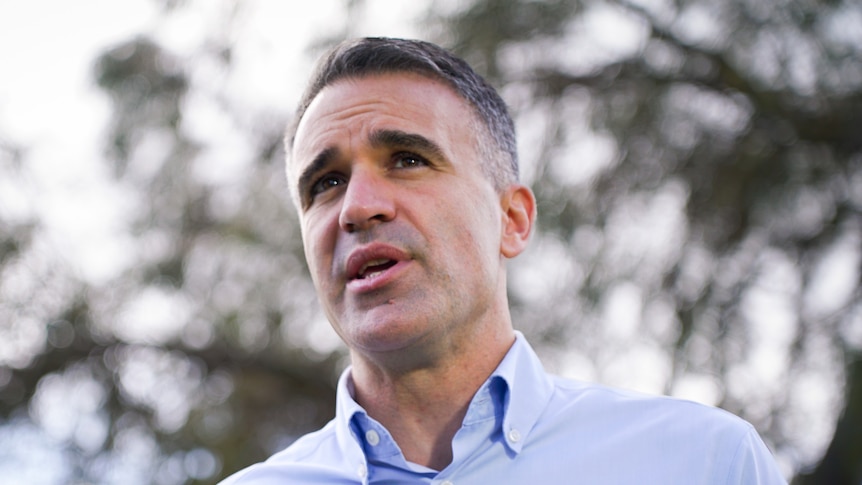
{"x": 698, "y": 166}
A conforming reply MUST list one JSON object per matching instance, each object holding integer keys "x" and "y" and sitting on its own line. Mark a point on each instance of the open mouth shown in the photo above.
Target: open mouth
{"x": 370, "y": 266}
{"x": 374, "y": 268}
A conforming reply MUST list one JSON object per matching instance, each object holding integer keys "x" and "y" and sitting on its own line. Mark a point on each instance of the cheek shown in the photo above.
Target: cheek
{"x": 317, "y": 248}
{"x": 481, "y": 215}
{"x": 473, "y": 227}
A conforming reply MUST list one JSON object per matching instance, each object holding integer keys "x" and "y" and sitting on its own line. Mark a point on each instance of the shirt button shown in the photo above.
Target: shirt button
{"x": 447, "y": 482}
{"x": 362, "y": 471}
{"x": 514, "y": 436}
{"x": 372, "y": 437}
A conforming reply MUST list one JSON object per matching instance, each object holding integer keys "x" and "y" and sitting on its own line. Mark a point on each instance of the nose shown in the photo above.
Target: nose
{"x": 367, "y": 201}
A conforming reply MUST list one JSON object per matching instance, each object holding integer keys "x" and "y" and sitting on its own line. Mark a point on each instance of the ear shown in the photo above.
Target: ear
{"x": 519, "y": 215}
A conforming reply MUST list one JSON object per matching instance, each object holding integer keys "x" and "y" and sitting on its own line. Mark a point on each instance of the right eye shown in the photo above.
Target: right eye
{"x": 328, "y": 181}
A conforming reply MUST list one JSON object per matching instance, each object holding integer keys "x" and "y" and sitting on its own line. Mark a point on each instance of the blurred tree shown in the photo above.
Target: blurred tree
{"x": 840, "y": 464}
{"x": 698, "y": 167}
{"x": 201, "y": 358}
{"x": 699, "y": 174}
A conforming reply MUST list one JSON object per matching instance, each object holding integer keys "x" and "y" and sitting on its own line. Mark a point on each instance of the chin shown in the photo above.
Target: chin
{"x": 387, "y": 335}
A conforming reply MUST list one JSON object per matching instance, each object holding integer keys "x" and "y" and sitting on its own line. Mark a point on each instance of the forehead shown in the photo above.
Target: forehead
{"x": 349, "y": 109}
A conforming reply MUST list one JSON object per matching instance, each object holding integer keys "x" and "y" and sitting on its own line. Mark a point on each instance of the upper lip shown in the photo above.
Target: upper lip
{"x": 361, "y": 258}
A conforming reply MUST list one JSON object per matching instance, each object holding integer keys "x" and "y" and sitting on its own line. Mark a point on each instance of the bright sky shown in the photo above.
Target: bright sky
{"x": 49, "y": 106}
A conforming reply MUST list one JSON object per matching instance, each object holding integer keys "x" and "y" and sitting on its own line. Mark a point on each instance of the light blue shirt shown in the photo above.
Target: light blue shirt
{"x": 525, "y": 426}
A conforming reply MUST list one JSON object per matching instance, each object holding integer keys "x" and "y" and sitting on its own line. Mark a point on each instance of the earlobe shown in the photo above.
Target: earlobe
{"x": 519, "y": 215}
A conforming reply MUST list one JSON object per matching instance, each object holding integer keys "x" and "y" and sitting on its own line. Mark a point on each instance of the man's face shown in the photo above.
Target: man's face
{"x": 401, "y": 227}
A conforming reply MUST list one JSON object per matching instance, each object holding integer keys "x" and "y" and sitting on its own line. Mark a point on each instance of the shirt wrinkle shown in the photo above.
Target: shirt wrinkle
{"x": 570, "y": 429}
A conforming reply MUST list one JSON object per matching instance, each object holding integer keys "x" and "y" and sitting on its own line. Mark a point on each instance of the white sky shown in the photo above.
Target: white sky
{"x": 49, "y": 106}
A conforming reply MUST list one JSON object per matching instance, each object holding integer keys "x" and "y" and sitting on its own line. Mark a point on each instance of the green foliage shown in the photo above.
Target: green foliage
{"x": 199, "y": 359}
{"x": 728, "y": 177}
{"x": 698, "y": 167}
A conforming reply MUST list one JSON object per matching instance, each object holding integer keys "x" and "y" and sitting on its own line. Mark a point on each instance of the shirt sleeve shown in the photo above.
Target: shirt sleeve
{"x": 753, "y": 464}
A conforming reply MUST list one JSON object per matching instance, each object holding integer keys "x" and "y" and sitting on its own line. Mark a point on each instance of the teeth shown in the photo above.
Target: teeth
{"x": 371, "y": 275}
{"x": 373, "y": 262}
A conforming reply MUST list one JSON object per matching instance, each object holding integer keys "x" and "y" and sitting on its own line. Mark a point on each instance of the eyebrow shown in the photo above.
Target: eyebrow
{"x": 405, "y": 140}
{"x": 378, "y": 139}
{"x": 322, "y": 159}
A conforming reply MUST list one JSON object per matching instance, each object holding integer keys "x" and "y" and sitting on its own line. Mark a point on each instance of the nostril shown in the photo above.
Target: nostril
{"x": 357, "y": 217}
{"x": 367, "y": 200}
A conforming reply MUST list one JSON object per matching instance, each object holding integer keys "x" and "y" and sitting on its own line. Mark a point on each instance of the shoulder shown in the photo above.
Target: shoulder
{"x": 320, "y": 444}
{"x": 613, "y": 411}
{"x": 313, "y": 458}
{"x": 682, "y": 438}
{"x": 620, "y": 405}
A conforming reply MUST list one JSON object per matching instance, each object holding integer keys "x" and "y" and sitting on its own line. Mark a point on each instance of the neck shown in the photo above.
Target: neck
{"x": 423, "y": 406}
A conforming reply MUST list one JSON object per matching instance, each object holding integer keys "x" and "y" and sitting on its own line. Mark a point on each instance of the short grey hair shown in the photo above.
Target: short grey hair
{"x": 358, "y": 58}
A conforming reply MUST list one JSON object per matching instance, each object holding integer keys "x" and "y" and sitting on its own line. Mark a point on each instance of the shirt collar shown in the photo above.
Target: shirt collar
{"x": 519, "y": 384}
{"x": 527, "y": 392}
{"x": 345, "y": 409}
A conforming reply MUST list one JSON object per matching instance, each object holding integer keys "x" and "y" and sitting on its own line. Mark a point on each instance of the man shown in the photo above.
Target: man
{"x": 403, "y": 167}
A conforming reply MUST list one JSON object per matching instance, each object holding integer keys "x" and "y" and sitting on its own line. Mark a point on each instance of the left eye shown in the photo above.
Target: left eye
{"x": 408, "y": 160}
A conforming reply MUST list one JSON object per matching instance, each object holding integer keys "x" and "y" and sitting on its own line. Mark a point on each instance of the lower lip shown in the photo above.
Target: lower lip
{"x": 379, "y": 281}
